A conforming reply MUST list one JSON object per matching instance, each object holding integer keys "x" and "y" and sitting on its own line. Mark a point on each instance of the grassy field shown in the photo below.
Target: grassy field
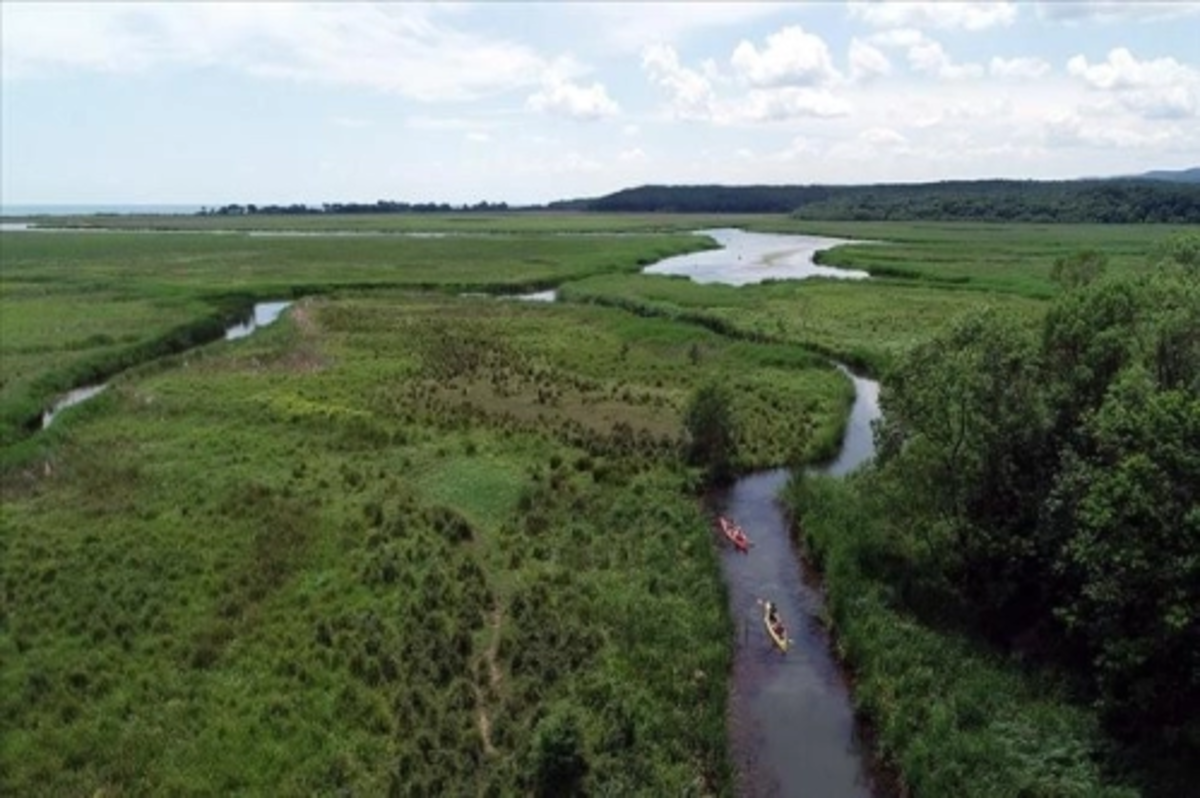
{"x": 1013, "y": 258}
{"x": 411, "y": 542}
{"x": 862, "y": 323}
{"x": 451, "y": 223}
{"x": 79, "y": 307}
{"x": 392, "y": 542}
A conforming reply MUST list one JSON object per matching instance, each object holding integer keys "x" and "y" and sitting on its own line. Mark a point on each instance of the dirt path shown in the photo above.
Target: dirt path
{"x": 495, "y": 677}
{"x": 306, "y": 356}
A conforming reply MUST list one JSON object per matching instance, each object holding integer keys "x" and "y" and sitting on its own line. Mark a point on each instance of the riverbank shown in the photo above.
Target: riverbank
{"x": 949, "y": 717}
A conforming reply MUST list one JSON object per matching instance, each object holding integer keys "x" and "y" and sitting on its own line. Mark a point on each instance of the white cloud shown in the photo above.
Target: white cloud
{"x": 790, "y": 102}
{"x": 1158, "y": 88}
{"x": 1123, "y": 71}
{"x": 693, "y": 96}
{"x": 635, "y": 26}
{"x": 455, "y": 123}
{"x": 1071, "y": 130}
{"x": 967, "y": 16}
{"x": 799, "y": 147}
{"x": 899, "y": 37}
{"x": 574, "y": 162}
{"x": 929, "y": 57}
{"x": 478, "y": 137}
{"x": 925, "y": 114}
{"x": 882, "y": 136}
{"x": 792, "y": 57}
{"x": 349, "y": 122}
{"x": 867, "y": 62}
{"x": 630, "y": 130}
{"x": 632, "y": 155}
{"x": 1080, "y": 11}
{"x": 573, "y": 100}
{"x": 925, "y": 54}
{"x": 404, "y": 49}
{"x": 691, "y": 92}
{"x": 1018, "y": 67}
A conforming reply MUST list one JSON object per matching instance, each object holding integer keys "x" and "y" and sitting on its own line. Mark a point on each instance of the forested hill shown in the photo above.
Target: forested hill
{"x": 703, "y": 199}
{"x": 1105, "y": 201}
{"x": 1176, "y": 176}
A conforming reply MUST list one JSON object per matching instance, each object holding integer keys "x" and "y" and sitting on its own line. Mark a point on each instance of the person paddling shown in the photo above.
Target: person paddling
{"x": 773, "y": 617}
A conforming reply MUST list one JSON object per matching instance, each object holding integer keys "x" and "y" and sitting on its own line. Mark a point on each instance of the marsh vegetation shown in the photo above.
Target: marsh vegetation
{"x": 413, "y": 542}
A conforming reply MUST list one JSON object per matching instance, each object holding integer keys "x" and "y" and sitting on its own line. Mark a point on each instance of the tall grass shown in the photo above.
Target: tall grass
{"x": 393, "y": 543}
{"x": 952, "y": 718}
{"x": 79, "y": 308}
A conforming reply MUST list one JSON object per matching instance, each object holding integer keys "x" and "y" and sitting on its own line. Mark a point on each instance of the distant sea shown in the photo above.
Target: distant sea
{"x": 88, "y": 210}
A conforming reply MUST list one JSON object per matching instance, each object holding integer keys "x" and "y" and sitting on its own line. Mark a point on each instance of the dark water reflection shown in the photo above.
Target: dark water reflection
{"x": 791, "y": 726}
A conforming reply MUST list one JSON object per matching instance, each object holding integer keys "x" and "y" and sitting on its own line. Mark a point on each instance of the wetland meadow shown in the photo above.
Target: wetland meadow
{"x": 411, "y": 539}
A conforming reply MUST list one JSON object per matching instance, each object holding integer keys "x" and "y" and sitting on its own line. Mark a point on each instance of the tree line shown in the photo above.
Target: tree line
{"x": 380, "y": 206}
{"x": 1047, "y": 483}
{"x": 1103, "y": 201}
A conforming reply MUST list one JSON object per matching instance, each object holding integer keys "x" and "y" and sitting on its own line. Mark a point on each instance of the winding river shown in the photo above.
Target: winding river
{"x": 792, "y": 730}
{"x": 791, "y": 726}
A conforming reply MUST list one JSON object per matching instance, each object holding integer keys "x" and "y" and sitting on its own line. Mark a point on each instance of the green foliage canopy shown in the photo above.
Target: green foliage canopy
{"x": 1055, "y": 482}
{"x": 711, "y": 436}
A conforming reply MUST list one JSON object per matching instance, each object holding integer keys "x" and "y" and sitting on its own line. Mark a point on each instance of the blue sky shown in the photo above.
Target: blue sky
{"x": 211, "y": 103}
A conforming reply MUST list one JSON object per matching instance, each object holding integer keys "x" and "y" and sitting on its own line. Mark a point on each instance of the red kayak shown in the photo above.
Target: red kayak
{"x": 735, "y": 534}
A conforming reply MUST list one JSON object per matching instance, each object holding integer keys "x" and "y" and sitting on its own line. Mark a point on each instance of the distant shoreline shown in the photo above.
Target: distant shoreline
{"x": 95, "y": 210}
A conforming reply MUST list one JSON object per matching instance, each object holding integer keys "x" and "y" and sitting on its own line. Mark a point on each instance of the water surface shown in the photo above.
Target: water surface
{"x": 264, "y": 313}
{"x": 70, "y": 399}
{"x": 745, "y": 258}
{"x": 792, "y": 730}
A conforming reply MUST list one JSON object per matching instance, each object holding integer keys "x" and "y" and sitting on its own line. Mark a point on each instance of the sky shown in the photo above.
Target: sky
{"x": 213, "y": 103}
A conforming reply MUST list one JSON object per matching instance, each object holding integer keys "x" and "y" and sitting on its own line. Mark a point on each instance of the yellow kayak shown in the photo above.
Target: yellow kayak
{"x": 778, "y": 634}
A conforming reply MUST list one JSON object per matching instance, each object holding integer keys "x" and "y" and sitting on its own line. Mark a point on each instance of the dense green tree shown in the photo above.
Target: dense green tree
{"x": 962, "y": 433}
{"x": 1088, "y": 337}
{"x": 711, "y": 437}
{"x": 1105, "y": 201}
{"x": 1182, "y": 249}
{"x": 1078, "y": 269}
{"x": 1055, "y": 481}
{"x": 1128, "y": 504}
{"x": 558, "y": 760}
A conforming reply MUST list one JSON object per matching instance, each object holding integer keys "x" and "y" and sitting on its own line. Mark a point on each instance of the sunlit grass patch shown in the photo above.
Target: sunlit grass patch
{"x": 483, "y": 486}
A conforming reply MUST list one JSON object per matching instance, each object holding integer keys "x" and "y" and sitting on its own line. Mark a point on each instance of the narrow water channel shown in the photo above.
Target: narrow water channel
{"x": 792, "y": 730}
{"x": 791, "y": 727}
{"x": 263, "y": 314}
